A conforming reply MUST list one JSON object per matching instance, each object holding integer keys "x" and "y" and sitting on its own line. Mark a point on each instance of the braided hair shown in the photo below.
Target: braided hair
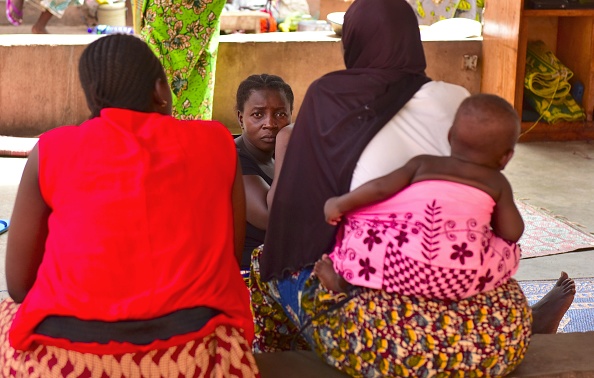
{"x": 262, "y": 81}
{"x": 119, "y": 71}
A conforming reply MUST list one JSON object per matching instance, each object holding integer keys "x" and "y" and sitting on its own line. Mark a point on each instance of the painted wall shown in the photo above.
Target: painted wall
{"x": 40, "y": 88}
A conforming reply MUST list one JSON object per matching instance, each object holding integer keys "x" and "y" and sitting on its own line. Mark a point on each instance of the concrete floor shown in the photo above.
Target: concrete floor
{"x": 10, "y": 175}
{"x": 558, "y": 176}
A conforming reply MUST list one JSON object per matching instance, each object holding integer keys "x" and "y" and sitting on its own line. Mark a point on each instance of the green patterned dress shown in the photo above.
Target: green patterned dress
{"x": 185, "y": 37}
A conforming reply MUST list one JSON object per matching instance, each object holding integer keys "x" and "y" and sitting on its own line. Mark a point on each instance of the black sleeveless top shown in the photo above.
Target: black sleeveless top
{"x": 254, "y": 237}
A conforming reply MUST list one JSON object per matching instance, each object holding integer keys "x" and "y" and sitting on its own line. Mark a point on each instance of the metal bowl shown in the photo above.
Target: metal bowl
{"x": 336, "y": 19}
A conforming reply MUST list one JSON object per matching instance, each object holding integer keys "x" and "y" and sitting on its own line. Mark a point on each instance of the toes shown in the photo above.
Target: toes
{"x": 568, "y": 283}
{"x": 569, "y": 288}
{"x": 562, "y": 278}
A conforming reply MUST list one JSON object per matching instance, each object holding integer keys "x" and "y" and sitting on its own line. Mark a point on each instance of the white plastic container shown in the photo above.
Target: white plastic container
{"x": 112, "y": 14}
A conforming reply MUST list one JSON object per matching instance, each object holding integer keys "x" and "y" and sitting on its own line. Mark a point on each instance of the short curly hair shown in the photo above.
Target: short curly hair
{"x": 262, "y": 81}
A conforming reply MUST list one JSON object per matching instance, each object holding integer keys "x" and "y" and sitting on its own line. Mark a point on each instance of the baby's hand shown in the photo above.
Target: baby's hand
{"x": 333, "y": 215}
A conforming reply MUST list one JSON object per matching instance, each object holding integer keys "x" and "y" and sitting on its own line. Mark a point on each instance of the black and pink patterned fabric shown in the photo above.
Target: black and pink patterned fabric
{"x": 432, "y": 239}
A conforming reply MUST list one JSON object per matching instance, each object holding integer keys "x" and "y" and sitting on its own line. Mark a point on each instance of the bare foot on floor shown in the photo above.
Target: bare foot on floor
{"x": 35, "y": 30}
{"x": 40, "y": 26}
{"x": 324, "y": 270}
{"x": 547, "y": 312}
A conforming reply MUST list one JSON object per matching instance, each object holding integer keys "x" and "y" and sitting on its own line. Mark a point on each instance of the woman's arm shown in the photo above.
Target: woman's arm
{"x": 239, "y": 209}
{"x": 258, "y": 191}
{"x": 506, "y": 220}
{"x": 282, "y": 141}
{"x": 371, "y": 192}
{"x": 28, "y": 232}
{"x": 257, "y": 208}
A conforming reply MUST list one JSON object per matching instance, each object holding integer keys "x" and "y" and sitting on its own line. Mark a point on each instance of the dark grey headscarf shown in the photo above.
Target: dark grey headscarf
{"x": 341, "y": 112}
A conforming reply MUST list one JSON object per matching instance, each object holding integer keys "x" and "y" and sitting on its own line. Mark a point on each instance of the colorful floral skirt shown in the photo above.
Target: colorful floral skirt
{"x": 371, "y": 333}
{"x": 224, "y": 353}
{"x": 185, "y": 37}
{"x": 55, "y": 7}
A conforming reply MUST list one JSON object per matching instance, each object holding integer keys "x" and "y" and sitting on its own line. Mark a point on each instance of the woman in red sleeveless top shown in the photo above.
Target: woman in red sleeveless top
{"x": 125, "y": 237}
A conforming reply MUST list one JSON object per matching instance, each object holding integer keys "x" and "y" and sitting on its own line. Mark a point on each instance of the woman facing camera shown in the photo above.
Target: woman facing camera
{"x": 264, "y": 106}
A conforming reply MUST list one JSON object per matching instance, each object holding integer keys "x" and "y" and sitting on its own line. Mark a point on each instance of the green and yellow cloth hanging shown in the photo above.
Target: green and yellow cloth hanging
{"x": 548, "y": 87}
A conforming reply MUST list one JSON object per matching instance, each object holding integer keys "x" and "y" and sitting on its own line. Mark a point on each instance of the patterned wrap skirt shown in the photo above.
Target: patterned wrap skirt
{"x": 224, "y": 353}
{"x": 372, "y": 333}
{"x": 55, "y": 7}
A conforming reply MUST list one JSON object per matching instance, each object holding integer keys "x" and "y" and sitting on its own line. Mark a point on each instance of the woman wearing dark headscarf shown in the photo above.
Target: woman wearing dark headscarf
{"x": 342, "y": 112}
{"x": 355, "y": 125}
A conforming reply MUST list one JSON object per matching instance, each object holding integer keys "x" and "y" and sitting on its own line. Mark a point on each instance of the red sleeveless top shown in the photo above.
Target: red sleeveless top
{"x": 141, "y": 226}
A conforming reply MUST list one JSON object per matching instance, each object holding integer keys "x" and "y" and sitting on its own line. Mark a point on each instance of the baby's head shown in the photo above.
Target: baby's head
{"x": 485, "y": 130}
{"x": 120, "y": 71}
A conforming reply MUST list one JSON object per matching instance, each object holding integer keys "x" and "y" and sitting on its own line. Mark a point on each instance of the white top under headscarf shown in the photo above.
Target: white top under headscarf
{"x": 420, "y": 128}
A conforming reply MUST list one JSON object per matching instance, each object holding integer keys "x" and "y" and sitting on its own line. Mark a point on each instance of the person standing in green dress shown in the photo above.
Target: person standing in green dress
{"x": 185, "y": 37}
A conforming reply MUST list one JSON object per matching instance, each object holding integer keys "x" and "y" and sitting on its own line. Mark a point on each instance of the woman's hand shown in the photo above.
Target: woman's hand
{"x": 332, "y": 212}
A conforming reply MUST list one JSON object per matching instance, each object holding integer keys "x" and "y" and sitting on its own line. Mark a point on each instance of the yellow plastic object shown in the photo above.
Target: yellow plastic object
{"x": 292, "y": 21}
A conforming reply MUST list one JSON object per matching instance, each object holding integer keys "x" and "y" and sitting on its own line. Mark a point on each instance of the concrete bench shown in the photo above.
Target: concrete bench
{"x": 563, "y": 355}
{"x": 297, "y": 364}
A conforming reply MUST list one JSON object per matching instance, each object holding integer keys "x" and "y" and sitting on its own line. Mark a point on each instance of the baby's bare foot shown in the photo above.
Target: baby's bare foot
{"x": 324, "y": 270}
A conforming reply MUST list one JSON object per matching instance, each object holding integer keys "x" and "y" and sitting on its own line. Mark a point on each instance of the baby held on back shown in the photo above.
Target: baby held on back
{"x": 441, "y": 227}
